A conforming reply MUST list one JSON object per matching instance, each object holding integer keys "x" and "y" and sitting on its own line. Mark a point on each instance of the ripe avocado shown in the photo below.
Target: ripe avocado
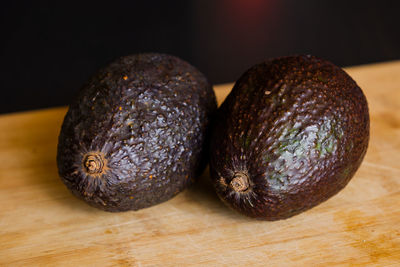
{"x": 290, "y": 135}
{"x": 135, "y": 134}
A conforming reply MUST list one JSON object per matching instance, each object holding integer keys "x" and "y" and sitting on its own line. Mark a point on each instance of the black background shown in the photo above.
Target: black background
{"x": 50, "y": 48}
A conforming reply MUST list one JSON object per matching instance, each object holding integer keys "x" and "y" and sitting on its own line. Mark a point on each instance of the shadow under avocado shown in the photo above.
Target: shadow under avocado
{"x": 202, "y": 192}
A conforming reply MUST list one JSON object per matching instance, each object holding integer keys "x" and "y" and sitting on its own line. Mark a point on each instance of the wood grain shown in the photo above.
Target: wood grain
{"x": 42, "y": 224}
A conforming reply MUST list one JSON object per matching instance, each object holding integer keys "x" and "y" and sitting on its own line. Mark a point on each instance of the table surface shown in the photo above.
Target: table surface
{"x": 41, "y": 223}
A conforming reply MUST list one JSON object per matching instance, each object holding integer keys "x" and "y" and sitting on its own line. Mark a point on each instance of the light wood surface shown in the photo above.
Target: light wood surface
{"x": 42, "y": 224}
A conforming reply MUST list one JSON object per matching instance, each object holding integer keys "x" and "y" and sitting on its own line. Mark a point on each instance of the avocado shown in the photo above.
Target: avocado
{"x": 290, "y": 135}
{"x": 134, "y": 136}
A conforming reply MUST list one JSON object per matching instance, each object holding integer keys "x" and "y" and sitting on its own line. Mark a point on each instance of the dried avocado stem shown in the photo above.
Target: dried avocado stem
{"x": 240, "y": 182}
{"x": 94, "y": 163}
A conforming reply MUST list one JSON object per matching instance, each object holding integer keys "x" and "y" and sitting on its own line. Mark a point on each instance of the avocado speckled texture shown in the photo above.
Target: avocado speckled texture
{"x": 290, "y": 135}
{"x": 135, "y": 134}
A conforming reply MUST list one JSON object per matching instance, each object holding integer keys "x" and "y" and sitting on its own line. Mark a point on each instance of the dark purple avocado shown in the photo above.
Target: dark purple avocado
{"x": 290, "y": 135}
{"x": 135, "y": 134}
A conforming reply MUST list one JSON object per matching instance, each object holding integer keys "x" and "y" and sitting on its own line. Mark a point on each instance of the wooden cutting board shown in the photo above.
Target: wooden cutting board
{"x": 42, "y": 224}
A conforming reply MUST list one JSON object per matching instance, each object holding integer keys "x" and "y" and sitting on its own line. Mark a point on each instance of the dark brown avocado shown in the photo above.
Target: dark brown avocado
{"x": 290, "y": 135}
{"x": 135, "y": 134}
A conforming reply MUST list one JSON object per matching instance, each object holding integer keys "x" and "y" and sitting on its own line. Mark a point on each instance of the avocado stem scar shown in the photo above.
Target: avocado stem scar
{"x": 94, "y": 163}
{"x": 240, "y": 182}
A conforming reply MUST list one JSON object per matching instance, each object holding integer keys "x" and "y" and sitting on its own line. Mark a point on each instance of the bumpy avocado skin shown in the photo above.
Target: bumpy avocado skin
{"x": 135, "y": 134}
{"x": 290, "y": 135}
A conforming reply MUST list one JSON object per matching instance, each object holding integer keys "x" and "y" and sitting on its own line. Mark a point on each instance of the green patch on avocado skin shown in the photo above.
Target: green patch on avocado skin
{"x": 247, "y": 142}
{"x": 267, "y": 158}
{"x": 346, "y": 171}
{"x": 325, "y": 148}
{"x": 283, "y": 146}
{"x": 336, "y": 129}
{"x": 318, "y": 147}
{"x": 327, "y": 137}
{"x": 322, "y": 79}
{"x": 329, "y": 148}
{"x": 289, "y": 140}
{"x": 349, "y": 146}
{"x": 293, "y": 132}
{"x": 278, "y": 177}
{"x": 227, "y": 158}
